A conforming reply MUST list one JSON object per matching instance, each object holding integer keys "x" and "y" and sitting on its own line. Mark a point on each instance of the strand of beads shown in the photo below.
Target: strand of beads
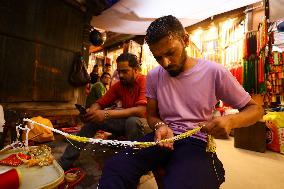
{"x": 171, "y": 140}
{"x": 137, "y": 145}
{"x": 211, "y": 146}
{"x": 85, "y": 149}
{"x": 50, "y": 128}
{"x": 85, "y": 139}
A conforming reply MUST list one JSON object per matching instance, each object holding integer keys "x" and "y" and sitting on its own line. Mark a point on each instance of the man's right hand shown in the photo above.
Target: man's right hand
{"x": 94, "y": 107}
{"x": 164, "y": 132}
{"x": 90, "y": 116}
{"x": 95, "y": 116}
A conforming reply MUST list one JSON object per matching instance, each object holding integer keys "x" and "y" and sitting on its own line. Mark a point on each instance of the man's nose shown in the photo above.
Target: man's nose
{"x": 120, "y": 74}
{"x": 165, "y": 62}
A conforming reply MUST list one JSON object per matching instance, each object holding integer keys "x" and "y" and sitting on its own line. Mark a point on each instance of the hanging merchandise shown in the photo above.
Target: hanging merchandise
{"x": 192, "y": 50}
{"x": 210, "y": 47}
{"x": 262, "y": 36}
{"x": 275, "y": 72}
{"x": 237, "y": 72}
{"x": 79, "y": 75}
{"x": 148, "y": 61}
{"x": 135, "y": 48}
{"x": 250, "y": 76}
{"x": 255, "y": 65}
{"x": 112, "y": 54}
{"x": 96, "y": 58}
{"x": 262, "y": 72}
{"x": 231, "y": 40}
{"x": 275, "y": 78}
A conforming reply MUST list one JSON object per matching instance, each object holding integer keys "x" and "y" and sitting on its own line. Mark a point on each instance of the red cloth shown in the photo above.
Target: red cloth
{"x": 128, "y": 98}
{"x": 10, "y": 179}
{"x": 238, "y": 74}
{"x": 261, "y": 70}
{"x": 245, "y": 48}
{"x": 12, "y": 159}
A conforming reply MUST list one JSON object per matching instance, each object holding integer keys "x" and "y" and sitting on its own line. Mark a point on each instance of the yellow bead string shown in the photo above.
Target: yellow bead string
{"x": 211, "y": 147}
{"x": 171, "y": 140}
{"x": 78, "y": 138}
{"x": 137, "y": 145}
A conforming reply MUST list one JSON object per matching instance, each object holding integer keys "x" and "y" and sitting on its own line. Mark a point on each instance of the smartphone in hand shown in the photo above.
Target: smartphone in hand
{"x": 81, "y": 109}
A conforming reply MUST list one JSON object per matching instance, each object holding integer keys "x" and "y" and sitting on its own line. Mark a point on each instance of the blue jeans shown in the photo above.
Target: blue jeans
{"x": 188, "y": 166}
{"x": 131, "y": 128}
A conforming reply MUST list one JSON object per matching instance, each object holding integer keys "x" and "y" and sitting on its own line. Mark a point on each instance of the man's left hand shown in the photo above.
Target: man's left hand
{"x": 218, "y": 127}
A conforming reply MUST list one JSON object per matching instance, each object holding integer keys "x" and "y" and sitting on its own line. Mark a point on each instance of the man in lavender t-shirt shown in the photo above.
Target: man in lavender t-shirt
{"x": 189, "y": 98}
{"x": 182, "y": 93}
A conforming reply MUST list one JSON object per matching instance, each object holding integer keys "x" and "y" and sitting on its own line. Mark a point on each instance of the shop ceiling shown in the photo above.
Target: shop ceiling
{"x": 134, "y": 16}
{"x": 123, "y": 19}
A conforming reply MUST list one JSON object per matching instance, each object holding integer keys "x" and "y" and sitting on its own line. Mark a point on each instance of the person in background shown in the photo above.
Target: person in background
{"x": 107, "y": 68}
{"x": 98, "y": 89}
{"x": 127, "y": 121}
{"x": 2, "y": 120}
{"x": 114, "y": 78}
{"x": 94, "y": 78}
{"x": 181, "y": 95}
{"x": 2, "y": 123}
{"x": 94, "y": 74}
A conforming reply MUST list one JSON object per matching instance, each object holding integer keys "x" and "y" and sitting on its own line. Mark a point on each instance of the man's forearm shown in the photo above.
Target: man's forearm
{"x": 152, "y": 121}
{"x": 138, "y": 111}
{"x": 96, "y": 106}
{"x": 246, "y": 117}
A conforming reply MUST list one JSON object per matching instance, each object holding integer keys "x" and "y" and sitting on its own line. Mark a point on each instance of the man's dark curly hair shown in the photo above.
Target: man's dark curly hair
{"x": 131, "y": 58}
{"x": 163, "y": 26}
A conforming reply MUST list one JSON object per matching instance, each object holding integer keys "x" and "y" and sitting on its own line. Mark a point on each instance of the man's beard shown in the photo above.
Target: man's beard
{"x": 124, "y": 82}
{"x": 105, "y": 83}
{"x": 127, "y": 83}
{"x": 174, "y": 73}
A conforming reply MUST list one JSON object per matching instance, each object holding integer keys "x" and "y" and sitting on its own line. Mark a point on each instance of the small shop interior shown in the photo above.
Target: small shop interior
{"x": 251, "y": 47}
{"x": 255, "y": 57}
{"x": 248, "y": 43}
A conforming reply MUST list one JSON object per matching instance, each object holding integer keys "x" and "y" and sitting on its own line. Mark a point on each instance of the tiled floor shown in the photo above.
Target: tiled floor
{"x": 91, "y": 162}
{"x": 250, "y": 170}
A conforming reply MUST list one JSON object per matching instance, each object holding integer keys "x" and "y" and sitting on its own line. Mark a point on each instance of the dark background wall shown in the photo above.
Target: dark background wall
{"x": 38, "y": 41}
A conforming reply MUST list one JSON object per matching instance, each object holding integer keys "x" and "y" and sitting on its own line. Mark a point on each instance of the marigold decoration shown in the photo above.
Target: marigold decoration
{"x": 39, "y": 155}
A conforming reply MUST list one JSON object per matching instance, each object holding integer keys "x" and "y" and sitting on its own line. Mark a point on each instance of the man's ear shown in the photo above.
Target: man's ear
{"x": 136, "y": 70}
{"x": 186, "y": 38}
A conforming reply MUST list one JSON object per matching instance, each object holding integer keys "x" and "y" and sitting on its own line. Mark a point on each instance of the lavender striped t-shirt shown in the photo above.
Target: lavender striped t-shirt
{"x": 188, "y": 99}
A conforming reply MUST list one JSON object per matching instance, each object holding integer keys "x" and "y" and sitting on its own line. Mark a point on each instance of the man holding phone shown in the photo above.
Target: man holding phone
{"x": 122, "y": 122}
